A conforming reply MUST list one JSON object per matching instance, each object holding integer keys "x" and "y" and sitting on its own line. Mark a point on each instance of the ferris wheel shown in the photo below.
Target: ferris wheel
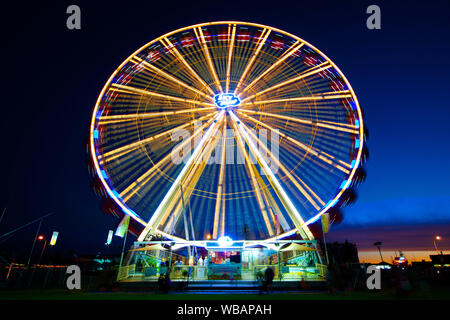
{"x": 226, "y": 129}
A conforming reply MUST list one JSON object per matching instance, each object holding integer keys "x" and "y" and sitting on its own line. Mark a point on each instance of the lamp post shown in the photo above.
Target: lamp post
{"x": 170, "y": 259}
{"x": 40, "y": 238}
{"x": 378, "y": 245}
{"x": 435, "y": 245}
{"x": 34, "y": 242}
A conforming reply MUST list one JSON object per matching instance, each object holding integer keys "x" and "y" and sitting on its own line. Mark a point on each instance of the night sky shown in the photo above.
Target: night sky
{"x": 52, "y": 77}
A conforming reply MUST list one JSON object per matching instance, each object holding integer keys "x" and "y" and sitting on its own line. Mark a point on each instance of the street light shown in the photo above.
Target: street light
{"x": 378, "y": 245}
{"x": 434, "y": 240}
{"x": 40, "y": 238}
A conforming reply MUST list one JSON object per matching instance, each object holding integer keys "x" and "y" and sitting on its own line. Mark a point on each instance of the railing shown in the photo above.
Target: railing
{"x": 230, "y": 271}
{"x": 126, "y": 272}
{"x": 322, "y": 270}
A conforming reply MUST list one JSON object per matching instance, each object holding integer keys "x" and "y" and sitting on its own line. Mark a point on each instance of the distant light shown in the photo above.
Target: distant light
{"x": 41, "y": 237}
{"x": 383, "y": 267}
{"x": 438, "y": 238}
{"x": 110, "y": 236}
{"x": 54, "y": 237}
{"x": 225, "y": 241}
{"x": 208, "y": 236}
{"x": 224, "y": 100}
{"x": 400, "y": 260}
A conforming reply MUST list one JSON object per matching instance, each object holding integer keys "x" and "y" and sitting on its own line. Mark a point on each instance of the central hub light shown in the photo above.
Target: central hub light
{"x": 225, "y": 241}
{"x": 225, "y": 100}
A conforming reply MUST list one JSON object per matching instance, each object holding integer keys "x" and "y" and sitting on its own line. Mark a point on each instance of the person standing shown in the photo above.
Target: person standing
{"x": 268, "y": 277}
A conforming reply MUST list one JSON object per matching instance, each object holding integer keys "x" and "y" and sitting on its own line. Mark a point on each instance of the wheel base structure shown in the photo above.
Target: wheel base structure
{"x": 211, "y": 263}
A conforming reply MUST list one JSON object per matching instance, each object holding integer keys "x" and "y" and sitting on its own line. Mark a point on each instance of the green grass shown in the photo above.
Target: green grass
{"x": 92, "y": 295}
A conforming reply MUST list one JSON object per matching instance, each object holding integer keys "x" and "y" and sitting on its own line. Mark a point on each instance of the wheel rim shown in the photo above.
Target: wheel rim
{"x": 283, "y": 83}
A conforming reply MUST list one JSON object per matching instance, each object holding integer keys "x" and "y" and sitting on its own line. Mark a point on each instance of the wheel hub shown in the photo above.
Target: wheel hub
{"x": 225, "y": 100}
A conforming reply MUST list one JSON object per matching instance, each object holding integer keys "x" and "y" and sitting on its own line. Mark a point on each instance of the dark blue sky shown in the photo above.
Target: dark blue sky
{"x": 52, "y": 76}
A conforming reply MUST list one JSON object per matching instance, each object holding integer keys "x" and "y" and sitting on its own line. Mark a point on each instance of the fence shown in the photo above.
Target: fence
{"x": 17, "y": 276}
{"x": 222, "y": 272}
{"x": 322, "y": 270}
{"x": 126, "y": 272}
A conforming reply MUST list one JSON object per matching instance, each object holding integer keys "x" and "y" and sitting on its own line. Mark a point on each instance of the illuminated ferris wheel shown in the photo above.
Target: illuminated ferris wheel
{"x": 226, "y": 129}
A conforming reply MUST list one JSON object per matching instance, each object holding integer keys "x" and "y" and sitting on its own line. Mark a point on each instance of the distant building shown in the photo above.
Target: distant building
{"x": 441, "y": 259}
{"x": 422, "y": 264}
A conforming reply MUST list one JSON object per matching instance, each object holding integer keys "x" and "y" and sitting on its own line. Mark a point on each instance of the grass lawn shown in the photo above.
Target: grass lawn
{"x": 93, "y": 295}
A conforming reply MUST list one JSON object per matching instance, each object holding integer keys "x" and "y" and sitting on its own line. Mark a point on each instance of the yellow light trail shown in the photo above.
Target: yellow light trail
{"x": 321, "y": 96}
{"x": 154, "y": 221}
{"x": 230, "y": 54}
{"x": 220, "y": 200}
{"x": 321, "y": 67}
{"x": 127, "y": 89}
{"x": 289, "y": 175}
{"x": 333, "y": 125}
{"x": 169, "y": 46}
{"x": 264, "y": 35}
{"x": 125, "y": 117}
{"x": 190, "y": 181}
{"x": 272, "y": 67}
{"x": 174, "y": 216}
{"x": 318, "y": 154}
{"x": 266, "y": 194}
{"x": 208, "y": 59}
{"x": 107, "y": 156}
{"x": 284, "y": 198}
{"x": 252, "y": 169}
{"x": 137, "y": 185}
{"x": 151, "y": 67}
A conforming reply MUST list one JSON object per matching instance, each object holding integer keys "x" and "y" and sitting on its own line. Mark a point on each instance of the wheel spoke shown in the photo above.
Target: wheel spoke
{"x": 188, "y": 184}
{"x": 329, "y": 125}
{"x": 127, "y": 117}
{"x": 131, "y": 90}
{"x": 113, "y": 154}
{"x": 134, "y": 187}
{"x": 264, "y": 35}
{"x": 314, "y": 151}
{"x": 253, "y": 172}
{"x": 230, "y": 54}
{"x": 152, "y": 68}
{"x": 158, "y": 214}
{"x": 200, "y": 35}
{"x": 290, "y": 208}
{"x": 320, "y": 96}
{"x": 321, "y": 67}
{"x": 171, "y": 48}
{"x": 272, "y": 67}
{"x": 291, "y": 176}
{"x": 220, "y": 199}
